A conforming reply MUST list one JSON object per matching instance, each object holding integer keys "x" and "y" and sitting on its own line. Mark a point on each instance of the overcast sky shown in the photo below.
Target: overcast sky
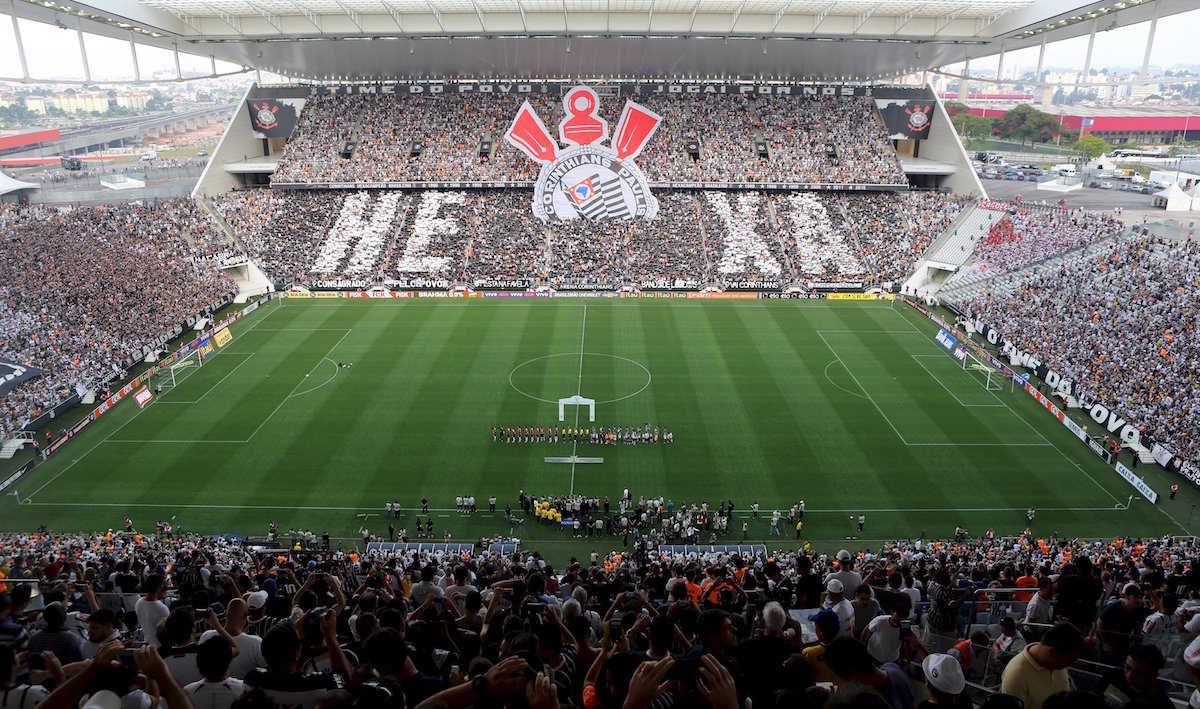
{"x": 55, "y": 53}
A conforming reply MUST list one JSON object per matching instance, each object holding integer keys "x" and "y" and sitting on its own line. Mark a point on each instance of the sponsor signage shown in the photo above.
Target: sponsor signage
{"x": 790, "y": 295}
{"x": 12, "y": 374}
{"x": 502, "y": 283}
{"x": 1137, "y": 483}
{"x": 1098, "y": 449}
{"x": 143, "y": 397}
{"x": 836, "y": 285}
{"x": 222, "y": 337}
{"x": 730, "y": 295}
{"x": 851, "y": 296}
{"x": 15, "y": 476}
{"x": 960, "y": 354}
{"x": 946, "y": 340}
{"x": 515, "y": 294}
{"x": 752, "y": 285}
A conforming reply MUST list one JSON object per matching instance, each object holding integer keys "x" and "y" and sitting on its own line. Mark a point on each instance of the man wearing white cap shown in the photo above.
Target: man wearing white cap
{"x": 257, "y": 622}
{"x": 835, "y": 601}
{"x": 850, "y": 578}
{"x": 944, "y": 681}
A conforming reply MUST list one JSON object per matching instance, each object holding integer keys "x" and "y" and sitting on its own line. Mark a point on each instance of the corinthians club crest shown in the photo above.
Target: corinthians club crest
{"x": 586, "y": 179}
{"x": 918, "y": 117}
{"x": 265, "y": 113}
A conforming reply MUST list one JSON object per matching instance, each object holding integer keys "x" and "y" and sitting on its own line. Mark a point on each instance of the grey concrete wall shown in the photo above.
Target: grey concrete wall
{"x": 237, "y": 144}
{"x": 943, "y": 145}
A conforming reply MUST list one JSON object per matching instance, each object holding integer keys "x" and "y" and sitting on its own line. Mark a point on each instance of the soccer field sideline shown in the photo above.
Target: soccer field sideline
{"x": 239, "y": 511}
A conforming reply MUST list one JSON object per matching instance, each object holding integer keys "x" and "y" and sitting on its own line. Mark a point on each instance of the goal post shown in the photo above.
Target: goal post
{"x": 993, "y": 379}
{"x": 168, "y": 377}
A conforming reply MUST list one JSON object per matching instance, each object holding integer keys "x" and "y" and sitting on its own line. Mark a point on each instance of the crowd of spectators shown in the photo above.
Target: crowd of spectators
{"x": 84, "y": 289}
{"x": 1120, "y": 321}
{"x": 210, "y": 622}
{"x": 490, "y": 237}
{"x": 890, "y": 233}
{"x": 1028, "y": 234}
{"x": 827, "y": 139}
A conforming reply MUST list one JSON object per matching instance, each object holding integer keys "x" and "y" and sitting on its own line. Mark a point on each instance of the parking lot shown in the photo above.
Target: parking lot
{"x": 1088, "y": 198}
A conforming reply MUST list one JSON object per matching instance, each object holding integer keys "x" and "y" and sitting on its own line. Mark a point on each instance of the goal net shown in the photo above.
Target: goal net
{"x": 168, "y": 377}
{"x": 992, "y": 378}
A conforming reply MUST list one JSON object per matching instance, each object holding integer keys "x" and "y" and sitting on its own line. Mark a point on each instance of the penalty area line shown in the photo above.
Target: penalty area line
{"x": 106, "y": 439}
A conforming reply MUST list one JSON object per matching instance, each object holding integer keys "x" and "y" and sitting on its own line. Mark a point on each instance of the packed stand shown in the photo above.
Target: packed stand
{"x": 84, "y": 289}
{"x": 210, "y": 622}
{"x": 826, "y": 139}
{"x": 490, "y": 238}
{"x": 890, "y": 233}
{"x": 1028, "y": 234}
{"x": 1079, "y": 315}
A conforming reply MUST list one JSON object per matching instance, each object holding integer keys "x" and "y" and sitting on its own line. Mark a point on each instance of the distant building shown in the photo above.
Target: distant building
{"x": 1116, "y": 125}
{"x": 81, "y": 102}
{"x": 136, "y": 100}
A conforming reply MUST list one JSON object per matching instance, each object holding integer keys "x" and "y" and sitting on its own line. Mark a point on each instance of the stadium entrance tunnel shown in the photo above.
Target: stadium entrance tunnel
{"x": 607, "y": 378}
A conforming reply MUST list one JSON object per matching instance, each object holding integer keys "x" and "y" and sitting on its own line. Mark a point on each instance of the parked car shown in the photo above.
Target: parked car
{"x": 1106, "y": 185}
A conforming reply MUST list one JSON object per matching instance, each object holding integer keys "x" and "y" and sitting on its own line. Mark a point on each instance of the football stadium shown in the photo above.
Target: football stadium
{"x": 626, "y": 354}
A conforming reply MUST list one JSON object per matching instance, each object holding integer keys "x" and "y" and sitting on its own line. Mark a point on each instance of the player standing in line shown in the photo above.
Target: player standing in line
{"x": 493, "y": 434}
{"x": 458, "y": 504}
{"x": 862, "y": 522}
{"x": 420, "y": 529}
{"x": 800, "y": 509}
{"x": 1029, "y": 515}
{"x": 425, "y": 505}
{"x": 388, "y": 506}
{"x": 754, "y": 509}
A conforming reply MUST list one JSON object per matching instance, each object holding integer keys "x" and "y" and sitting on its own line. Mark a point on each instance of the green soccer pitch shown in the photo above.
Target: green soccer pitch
{"x": 850, "y": 406}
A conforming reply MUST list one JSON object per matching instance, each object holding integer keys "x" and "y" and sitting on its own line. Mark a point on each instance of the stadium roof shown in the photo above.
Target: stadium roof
{"x": 366, "y": 39}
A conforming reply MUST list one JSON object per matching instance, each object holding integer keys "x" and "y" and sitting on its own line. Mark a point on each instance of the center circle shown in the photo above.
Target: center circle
{"x": 607, "y": 378}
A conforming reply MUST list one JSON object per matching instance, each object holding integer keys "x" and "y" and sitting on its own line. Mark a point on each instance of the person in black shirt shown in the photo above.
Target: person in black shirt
{"x": 1137, "y": 682}
{"x": 1078, "y": 592}
{"x": 1120, "y": 624}
{"x": 282, "y": 682}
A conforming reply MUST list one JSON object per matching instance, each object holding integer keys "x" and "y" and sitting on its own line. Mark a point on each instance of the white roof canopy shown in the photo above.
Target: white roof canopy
{"x": 9, "y": 184}
{"x": 786, "y": 39}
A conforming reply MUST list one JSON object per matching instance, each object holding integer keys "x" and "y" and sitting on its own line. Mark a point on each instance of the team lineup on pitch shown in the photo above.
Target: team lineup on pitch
{"x": 766, "y": 403}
